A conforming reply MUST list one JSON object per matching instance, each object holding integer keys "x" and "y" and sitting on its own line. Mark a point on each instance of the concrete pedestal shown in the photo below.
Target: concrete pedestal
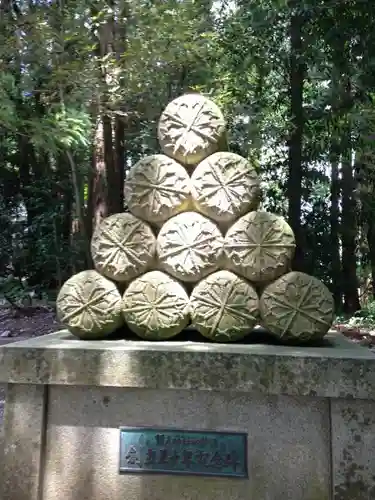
{"x": 309, "y": 414}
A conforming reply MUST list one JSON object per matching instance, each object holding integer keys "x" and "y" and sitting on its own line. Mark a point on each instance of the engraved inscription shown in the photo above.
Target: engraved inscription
{"x": 297, "y": 306}
{"x": 225, "y": 186}
{"x": 122, "y": 247}
{"x": 224, "y": 307}
{"x": 259, "y": 246}
{"x": 189, "y": 246}
{"x": 183, "y": 452}
{"x": 156, "y": 188}
{"x": 190, "y": 128}
{"x": 155, "y": 306}
{"x": 89, "y": 305}
{"x": 186, "y": 457}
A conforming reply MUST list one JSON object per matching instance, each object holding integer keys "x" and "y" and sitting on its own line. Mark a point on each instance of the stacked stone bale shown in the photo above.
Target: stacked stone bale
{"x": 194, "y": 247}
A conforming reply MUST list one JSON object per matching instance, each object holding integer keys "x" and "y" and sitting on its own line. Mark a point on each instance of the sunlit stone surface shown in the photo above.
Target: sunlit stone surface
{"x": 189, "y": 246}
{"x": 156, "y": 188}
{"x": 156, "y": 306}
{"x": 225, "y": 186}
{"x": 191, "y": 128}
{"x": 259, "y": 246}
{"x": 297, "y": 307}
{"x": 89, "y": 305}
{"x": 123, "y": 247}
{"x": 224, "y": 307}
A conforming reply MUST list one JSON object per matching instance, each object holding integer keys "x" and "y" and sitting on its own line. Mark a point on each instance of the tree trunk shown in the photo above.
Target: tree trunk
{"x": 110, "y": 45}
{"x": 257, "y": 113}
{"x": 349, "y": 228}
{"x": 79, "y": 206}
{"x": 365, "y": 181}
{"x": 335, "y": 229}
{"x": 106, "y": 185}
{"x": 120, "y": 160}
{"x": 66, "y": 230}
{"x": 371, "y": 245}
{"x": 113, "y": 187}
{"x": 98, "y": 195}
{"x": 294, "y": 184}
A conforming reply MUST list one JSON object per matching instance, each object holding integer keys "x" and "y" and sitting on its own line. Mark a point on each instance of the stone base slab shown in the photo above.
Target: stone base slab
{"x": 308, "y": 414}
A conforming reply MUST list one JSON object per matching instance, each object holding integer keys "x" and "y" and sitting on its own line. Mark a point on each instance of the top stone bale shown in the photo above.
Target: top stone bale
{"x": 191, "y": 128}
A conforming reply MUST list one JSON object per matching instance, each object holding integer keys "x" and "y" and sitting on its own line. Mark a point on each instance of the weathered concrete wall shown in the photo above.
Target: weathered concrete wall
{"x": 288, "y": 443}
{"x": 353, "y": 449}
{"x": 308, "y": 413}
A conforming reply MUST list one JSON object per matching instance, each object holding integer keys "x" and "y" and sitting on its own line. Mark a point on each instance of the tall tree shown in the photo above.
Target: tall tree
{"x": 335, "y": 228}
{"x": 349, "y": 226}
{"x": 297, "y": 74}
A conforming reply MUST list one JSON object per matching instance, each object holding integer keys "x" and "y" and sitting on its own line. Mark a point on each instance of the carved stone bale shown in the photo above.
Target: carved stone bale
{"x": 224, "y": 307}
{"x": 297, "y": 307}
{"x": 156, "y": 306}
{"x": 189, "y": 246}
{"x": 225, "y": 186}
{"x": 123, "y": 247}
{"x": 190, "y": 128}
{"x": 156, "y": 188}
{"x": 89, "y": 305}
{"x": 259, "y": 247}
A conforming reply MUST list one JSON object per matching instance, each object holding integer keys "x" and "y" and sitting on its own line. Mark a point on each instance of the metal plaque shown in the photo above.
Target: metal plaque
{"x": 145, "y": 450}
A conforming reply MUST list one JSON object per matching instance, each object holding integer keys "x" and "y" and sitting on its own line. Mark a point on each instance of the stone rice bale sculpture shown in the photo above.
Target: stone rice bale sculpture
{"x": 156, "y": 188}
{"x": 189, "y": 247}
{"x": 225, "y": 186}
{"x": 156, "y": 306}
{"x": 297, "y": 308}
{"x": 123, "y": 247}
{"x": 259, "y": 247}
{"x": 224, "y": 307}
{"x": 89, "y": 305}
{"x": 191, "y": 128}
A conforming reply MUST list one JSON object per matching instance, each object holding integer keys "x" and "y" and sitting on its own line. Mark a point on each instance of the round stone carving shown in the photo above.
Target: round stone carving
{"x": 259, "y": 246}
{"x": 156, "y": 306}
{"x": 123, "y": 247}
{"x": 224, "y": 307}
{"x": 225, "y": 186}
{"x": 89, "y": 305}
{"x": 189, "y": 246}
{"x": 190, "y": 128}
{"x": 156, "y": 188}
{"x": 297, "y": 307}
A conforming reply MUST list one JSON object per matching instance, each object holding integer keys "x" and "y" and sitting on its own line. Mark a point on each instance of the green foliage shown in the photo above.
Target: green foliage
{"x": 365, "y": 318}
{"x": 74, "y": 64}
{"x": 62, "y": 129}
{"x": 14, "y": 291}
{"x": 8, "y": 93}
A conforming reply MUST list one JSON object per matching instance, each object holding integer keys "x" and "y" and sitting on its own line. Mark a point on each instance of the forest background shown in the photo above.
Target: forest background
{"x": 83, "y": 82}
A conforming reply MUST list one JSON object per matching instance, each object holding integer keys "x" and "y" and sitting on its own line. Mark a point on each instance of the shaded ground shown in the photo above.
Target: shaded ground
{"x": 29, "y": 322}
{"x": 363, "y": 335}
